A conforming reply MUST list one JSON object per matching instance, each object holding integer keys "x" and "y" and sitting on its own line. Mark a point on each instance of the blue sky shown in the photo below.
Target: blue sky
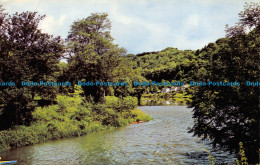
{"x": 141, "y": 25}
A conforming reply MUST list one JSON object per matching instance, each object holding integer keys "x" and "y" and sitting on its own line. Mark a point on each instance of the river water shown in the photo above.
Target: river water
{"x": 163, "y": 140}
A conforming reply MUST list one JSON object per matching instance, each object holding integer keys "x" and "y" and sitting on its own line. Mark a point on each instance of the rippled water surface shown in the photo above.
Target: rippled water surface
{"x": 163, "y": 140}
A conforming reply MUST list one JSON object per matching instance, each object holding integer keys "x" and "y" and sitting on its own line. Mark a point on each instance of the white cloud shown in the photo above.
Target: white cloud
{"x": 193, "y": 20}
{"x": 52, "y": 25}
{"x": 142, "y": 25}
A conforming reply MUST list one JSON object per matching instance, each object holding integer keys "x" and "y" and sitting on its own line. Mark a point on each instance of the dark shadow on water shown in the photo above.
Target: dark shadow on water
{"x": 203, "y": 157}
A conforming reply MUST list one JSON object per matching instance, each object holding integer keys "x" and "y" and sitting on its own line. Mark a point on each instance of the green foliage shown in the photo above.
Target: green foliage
{"x": 120, "y": 105}
{"x": 243, "y": 159}
{"x": 128, "y": 103}
{"x": 229, "y": 115}
{"x": 112, "y": 102}
{"x": 26, "y": 54}
{"x": 115, "y": 110}
{"x": 211, "y": 159}
{"x": 95, "y": 57}
{"x": 168, "y": 64}
{"x": 138, "y": 114}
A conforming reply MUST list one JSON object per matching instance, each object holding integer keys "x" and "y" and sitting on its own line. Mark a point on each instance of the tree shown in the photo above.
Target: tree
{"x": 229, "y": 115}
{"x": 26, "y": 54}
{"x": 93, "y": 56}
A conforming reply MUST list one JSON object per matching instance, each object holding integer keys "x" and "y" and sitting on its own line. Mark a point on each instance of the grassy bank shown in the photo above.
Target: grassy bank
{"x": 72, "y": 116}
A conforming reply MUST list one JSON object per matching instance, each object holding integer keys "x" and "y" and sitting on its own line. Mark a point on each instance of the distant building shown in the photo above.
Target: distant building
{"x": 174, "y": 88}
{"x": 166, "y": 90}
{"x": 186, "y": 85}
{"x": 178, "y": 88}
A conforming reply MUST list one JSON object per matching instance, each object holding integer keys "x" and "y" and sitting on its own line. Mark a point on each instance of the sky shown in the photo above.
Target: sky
{"x": 141, "y": 25}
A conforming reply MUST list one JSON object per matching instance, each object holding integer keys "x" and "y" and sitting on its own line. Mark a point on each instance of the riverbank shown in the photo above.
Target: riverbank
{"x": 72, "y": 117}
{"x": 180, "y": 96}
{"x": 164, "y": 140}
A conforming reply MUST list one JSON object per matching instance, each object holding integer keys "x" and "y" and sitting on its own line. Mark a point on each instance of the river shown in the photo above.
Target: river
{"x": 163, "y": 140}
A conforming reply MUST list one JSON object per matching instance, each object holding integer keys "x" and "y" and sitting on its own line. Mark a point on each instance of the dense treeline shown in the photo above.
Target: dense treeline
{"x": 168, "y": 64}
{"x": 172, "y": 64}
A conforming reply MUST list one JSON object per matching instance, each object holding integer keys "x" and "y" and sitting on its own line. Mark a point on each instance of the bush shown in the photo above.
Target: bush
{"x": 138, "y": 114}
{"x": 121, "y": 104}
{"x": 112, "y": 102}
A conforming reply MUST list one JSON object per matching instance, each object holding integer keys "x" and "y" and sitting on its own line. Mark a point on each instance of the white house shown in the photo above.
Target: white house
{"x": 166, "y": 90}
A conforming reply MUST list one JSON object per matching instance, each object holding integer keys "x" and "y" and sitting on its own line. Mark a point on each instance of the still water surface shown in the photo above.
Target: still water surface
{"x": 163, "y": 140}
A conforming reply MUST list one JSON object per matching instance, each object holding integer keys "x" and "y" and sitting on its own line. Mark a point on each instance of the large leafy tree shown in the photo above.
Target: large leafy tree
{"x": 93, "y": 56}
{"x": 26, "y": 54}
{"x": 229, "y": 115}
